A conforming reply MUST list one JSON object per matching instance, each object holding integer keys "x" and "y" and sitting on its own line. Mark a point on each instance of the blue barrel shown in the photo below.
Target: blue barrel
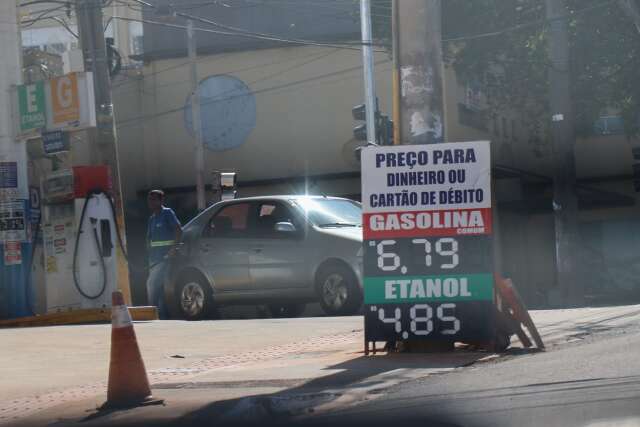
{"x": 15, "y": 286}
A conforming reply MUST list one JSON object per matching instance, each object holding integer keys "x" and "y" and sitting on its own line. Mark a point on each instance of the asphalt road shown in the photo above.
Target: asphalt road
{"x": 594, "y": 383}
{"x": 312, "y": 370}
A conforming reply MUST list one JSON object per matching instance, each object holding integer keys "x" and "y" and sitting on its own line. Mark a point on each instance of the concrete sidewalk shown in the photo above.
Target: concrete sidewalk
{"x": 242, "y": 370}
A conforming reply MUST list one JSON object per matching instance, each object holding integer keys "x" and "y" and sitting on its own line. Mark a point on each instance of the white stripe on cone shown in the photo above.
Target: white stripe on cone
{"x": 120, "y": 317}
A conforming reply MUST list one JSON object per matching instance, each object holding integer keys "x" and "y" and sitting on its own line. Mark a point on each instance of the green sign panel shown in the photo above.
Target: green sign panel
{"x": 31, "y": 106}
{"x": 401, "y": 289}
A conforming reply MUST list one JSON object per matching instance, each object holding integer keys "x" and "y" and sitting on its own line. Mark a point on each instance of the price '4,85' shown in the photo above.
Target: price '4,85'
{"x": 421, "y": 319}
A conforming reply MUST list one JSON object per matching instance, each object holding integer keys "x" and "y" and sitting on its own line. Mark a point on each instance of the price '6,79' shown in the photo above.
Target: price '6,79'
{"x": 445, "y": 248}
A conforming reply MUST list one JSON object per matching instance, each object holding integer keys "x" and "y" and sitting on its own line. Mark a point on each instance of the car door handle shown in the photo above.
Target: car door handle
{"x": 205, "y": 247}
{"x": 258, "y": 249}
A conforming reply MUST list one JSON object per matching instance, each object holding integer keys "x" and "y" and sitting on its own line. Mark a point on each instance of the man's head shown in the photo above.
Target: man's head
{"x": 155, "y": 198}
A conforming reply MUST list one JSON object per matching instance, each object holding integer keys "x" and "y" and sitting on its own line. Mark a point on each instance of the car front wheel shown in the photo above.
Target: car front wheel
{"x": 338, "y": 291}
{"x": 195, "y": 301}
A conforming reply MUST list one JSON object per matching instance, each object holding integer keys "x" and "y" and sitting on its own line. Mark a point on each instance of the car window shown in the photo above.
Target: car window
{"x": 268, "y": 215}
{"x": 231, "y": 222}
{"x": 331, "y": 212}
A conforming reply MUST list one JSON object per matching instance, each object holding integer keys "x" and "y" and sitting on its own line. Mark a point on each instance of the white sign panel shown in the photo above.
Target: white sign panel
{"x": 441, "y": 189}
{"x": 427, "y": 177}
{"x": 13, "y": 173}
{"x": 427, "y": 250}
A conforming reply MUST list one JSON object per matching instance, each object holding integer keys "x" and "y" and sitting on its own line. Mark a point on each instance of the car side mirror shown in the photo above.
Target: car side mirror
{"x": 285, "y": 227}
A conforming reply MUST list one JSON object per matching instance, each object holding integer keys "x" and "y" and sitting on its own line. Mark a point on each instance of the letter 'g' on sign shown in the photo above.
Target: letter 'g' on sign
{"x": 64, "y": 99}
{"x": 63, "y": 88}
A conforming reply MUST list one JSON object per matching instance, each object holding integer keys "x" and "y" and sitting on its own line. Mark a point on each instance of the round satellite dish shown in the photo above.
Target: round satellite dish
{"x": 227, "y": 111}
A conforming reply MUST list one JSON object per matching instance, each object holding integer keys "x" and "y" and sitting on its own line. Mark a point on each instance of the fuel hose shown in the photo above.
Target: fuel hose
{"x": 28, "y": 289}
{"x": 76, "y": 281}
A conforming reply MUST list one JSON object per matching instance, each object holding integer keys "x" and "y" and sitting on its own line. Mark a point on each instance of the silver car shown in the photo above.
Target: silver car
{"x": 281, "y": 251}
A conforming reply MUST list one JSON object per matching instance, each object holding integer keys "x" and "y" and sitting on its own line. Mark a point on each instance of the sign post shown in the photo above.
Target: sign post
{"x": 428, "y": 242}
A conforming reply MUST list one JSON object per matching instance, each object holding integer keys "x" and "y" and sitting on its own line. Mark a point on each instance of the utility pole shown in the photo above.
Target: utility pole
{"x": 420, "y": 69}
{"x": 367, "y": 60}
{"x": 565, "y": 202}
{"x": 418, "y": 100}
{"x": 103, "y": 148}
{"x": 196, "y": 118}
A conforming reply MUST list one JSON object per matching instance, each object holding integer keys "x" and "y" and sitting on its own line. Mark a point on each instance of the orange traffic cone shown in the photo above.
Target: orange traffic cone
{"x": 128, "y": 382}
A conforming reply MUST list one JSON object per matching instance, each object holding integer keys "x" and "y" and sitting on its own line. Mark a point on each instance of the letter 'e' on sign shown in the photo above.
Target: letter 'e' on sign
{"x": 65, "y": 104}
{"x": 31, "y": 107}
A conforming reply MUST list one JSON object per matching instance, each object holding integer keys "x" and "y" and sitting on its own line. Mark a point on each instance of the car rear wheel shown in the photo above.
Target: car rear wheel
{"x": 282, "y": 311}
{"x": 195, "y": 301}
{"x": 338, "y": 291}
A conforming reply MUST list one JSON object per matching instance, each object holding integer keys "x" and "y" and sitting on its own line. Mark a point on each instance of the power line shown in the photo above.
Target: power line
{"x": 240, "y": 32}
{"x": 274, "y": 4}
{"x": 41, "y": 15}
{"x": 216, "y": 58}
{"x": 143, "y": 118}
{"x": 29, "y": 3}
{"x": 61, "y": 22}
{"x": 247, "y": 35}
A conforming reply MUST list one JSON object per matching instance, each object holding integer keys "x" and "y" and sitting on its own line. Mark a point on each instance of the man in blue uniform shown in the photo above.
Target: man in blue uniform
{"x": 163, "y": 234}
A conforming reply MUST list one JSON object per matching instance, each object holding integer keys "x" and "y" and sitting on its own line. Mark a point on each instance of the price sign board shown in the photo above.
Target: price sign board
{"x": 428, "y": 242}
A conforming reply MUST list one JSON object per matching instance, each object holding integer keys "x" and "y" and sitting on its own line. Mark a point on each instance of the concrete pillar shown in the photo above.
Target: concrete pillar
{"x": 13, "y": 161}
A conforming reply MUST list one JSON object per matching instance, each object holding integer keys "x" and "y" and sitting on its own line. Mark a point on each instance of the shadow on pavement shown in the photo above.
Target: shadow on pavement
{"x": 491, "y": 404}
{"x": 357, "y": 380}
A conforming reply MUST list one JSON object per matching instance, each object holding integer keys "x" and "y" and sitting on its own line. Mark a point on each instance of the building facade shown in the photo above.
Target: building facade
{"x": 278, "y": 114}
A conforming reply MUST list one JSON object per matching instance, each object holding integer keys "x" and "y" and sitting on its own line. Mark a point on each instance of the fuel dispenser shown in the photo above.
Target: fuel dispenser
{"x": 79, "y": 234}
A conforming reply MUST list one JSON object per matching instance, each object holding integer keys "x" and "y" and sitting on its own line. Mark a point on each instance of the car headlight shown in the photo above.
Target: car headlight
{"x": 360, "y": 253}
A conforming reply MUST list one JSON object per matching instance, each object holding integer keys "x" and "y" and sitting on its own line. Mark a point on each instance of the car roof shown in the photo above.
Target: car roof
{"x": 282, "y": 197}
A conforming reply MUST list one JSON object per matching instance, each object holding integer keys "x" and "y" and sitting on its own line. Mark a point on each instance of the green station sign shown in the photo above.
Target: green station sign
{"x": 32, "y": 107}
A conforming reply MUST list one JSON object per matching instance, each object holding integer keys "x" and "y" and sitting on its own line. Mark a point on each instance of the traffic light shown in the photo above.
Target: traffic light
{"x": 359, "y": 112}
{"x": 384, "y": 133}
{"x": 384, "y": 126}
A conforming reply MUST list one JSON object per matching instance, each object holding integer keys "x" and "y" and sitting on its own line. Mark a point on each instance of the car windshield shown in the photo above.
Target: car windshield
{"x": 331, "y": 212}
